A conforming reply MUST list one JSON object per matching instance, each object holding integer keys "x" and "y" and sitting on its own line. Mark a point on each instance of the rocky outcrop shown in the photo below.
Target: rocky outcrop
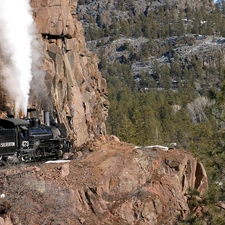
{"x": 110, "y": 182}
{"x": 208, "y": 49}
{"x": 76, "y": 88}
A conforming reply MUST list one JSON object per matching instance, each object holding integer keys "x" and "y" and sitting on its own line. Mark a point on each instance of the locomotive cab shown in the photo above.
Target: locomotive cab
{"x": 23, "y": 137}
{"x": 14, "y": 136}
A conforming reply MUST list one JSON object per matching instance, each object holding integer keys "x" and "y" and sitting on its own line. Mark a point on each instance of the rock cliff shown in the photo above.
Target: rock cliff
{"x": 76, "y": 92}
{"x": 76, "y": 87}
{"x": 110, "y": 182}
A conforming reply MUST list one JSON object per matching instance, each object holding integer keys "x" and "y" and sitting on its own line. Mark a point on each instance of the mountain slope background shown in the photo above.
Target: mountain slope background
{"x": 164, "y": 66}
{"x": 151, "y": 48}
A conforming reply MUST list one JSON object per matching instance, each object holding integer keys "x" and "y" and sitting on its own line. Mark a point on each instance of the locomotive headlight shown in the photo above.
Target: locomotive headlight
{"x": 25, "y": 144}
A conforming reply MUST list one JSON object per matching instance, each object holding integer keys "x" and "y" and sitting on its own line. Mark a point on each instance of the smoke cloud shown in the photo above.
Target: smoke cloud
{"x": 39, "y": 91}
{"x": 17, "y": 35}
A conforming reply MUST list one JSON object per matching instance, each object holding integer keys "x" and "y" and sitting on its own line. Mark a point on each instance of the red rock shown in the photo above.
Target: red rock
{"x": 2, "y": 221}
{"x": 65, "y": 170}
{"x": 112, "y": 184}
{"x": 77, "y": 89}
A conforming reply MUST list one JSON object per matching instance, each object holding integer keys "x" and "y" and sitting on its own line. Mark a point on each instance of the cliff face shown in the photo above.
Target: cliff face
{"x": 76, "y": 88}
{"x": 110, "y": 182}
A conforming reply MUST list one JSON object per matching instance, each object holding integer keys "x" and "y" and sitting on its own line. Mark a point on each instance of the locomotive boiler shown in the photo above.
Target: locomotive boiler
{"x": 28, "y": 139}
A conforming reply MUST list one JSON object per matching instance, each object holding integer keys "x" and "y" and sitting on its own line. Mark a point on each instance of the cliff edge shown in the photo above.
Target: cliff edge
{"x": 109, "y": 182}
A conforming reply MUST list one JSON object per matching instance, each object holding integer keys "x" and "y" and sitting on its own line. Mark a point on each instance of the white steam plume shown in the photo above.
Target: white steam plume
{"x": 17, "y": 31}
{"x": 39, "y": 91}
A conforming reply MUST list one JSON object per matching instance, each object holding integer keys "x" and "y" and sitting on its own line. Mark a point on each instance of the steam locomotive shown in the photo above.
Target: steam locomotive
{"x": 28, "y": 139}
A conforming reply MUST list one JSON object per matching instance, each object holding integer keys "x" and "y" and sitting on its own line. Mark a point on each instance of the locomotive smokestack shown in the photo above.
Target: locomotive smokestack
{"x": 47, "y": 118}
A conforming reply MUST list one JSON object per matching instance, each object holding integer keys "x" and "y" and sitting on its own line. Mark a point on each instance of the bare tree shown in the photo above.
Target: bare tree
{"x": 196, "y": 109}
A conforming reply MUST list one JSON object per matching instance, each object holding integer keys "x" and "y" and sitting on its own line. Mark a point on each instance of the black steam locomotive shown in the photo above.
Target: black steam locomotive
{"x": 28, "y": 140}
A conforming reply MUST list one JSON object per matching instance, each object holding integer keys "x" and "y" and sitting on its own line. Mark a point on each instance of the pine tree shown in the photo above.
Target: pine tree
{"x": 165, "y": 79}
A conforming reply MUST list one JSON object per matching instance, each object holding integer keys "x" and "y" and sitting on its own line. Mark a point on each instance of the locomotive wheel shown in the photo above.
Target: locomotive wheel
{"x": 2, "y": 161}
{"x": 37, "y": 154}
{"x": 59, "y": 154}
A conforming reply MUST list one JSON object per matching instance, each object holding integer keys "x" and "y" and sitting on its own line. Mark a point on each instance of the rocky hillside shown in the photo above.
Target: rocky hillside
{"x": 178, "y": 32}
{"x": 109, "y": 182}
{"x": 205, "y": 48}
{"x": 111, "y": 10}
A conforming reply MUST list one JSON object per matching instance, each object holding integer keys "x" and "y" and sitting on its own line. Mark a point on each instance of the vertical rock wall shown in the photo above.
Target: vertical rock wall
{"x": 76, "y": 88}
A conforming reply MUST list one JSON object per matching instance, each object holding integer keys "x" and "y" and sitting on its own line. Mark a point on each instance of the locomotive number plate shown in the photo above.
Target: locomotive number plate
{"x": 7, "y": 144}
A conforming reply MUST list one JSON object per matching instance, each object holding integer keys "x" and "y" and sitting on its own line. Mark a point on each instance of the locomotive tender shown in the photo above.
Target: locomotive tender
{"x": 28, "y": 140}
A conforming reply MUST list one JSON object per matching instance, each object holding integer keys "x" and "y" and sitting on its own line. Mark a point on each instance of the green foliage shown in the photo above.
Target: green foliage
{"x": 162, "y": 22}
{"x": 193, "y": 192}
{"x": 191, "y": 220}
{"x": 213, "y": 195}
{"x": 149, "y": 116}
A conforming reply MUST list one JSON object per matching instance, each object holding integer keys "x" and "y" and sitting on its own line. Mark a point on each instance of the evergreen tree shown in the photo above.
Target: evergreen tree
{"x": 165, "y": 79}
{"x": 180, "y": 29}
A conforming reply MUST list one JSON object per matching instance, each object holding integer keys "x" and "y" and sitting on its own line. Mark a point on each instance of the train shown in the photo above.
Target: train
{"x": 28, "y": 140}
